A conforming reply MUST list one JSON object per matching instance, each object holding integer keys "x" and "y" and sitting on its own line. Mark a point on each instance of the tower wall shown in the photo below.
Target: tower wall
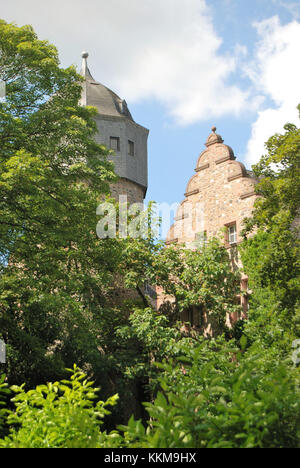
{"x": 134, "y": 192}
{"x": 133, "y": 168}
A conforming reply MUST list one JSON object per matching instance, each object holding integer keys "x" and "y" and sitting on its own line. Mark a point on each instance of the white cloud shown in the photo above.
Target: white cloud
{"x": 291, "y": 7}
{"x": 269, "y": 122}
{"x": 275, "y": 73}
{"x": 162, "y": 49}
{"x": 169, "y": 50}
{"x": 178, "y": 63}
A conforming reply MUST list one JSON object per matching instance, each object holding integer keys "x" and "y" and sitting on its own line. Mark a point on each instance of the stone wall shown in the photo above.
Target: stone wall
{"x": 130, "y": 167}
{"x": 134, "y": 192}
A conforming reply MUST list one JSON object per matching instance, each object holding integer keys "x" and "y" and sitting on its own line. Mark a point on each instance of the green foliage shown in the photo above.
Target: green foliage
{"x": 4, "y": 392}
{"x": 200, "y": 278}
{"x": 62, "y": 289}
{"x": 59, "y": 415}
{"x": 213, "y": 395}
{"x": 279, "y": 185}
{"x": 154, "y": 340}
{"x": 216, "y": 393}
{"x": 271, "y": 256}
{"x": 219, "y": 398}
{"x": 271, "y": 261}
{"x": 55, "y": 274}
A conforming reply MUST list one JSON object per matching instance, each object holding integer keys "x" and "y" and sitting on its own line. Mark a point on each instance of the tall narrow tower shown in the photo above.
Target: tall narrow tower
{"x": 118, "y": 131}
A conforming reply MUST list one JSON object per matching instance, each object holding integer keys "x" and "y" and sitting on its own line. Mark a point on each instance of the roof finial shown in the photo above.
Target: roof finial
{"x": 84, "y": 68}
{"x": 85, "y": 72}
{"x": 214, "y": 138}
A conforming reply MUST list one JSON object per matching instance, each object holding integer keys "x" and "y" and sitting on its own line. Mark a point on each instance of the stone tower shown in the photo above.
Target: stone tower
{"x": 119, "y": 132}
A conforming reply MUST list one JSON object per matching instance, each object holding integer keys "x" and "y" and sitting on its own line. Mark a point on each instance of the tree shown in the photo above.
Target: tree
{"x": 62, "y": 293}
{"x": 200, "y": 278}
{"x": 279, "y": 186}
{"x": 208, "y": 399}
{"x": 55, "y": 272}
{"x": 271, "y": 256}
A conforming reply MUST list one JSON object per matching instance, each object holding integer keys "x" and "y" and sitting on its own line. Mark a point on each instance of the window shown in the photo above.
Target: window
{"x": 232, "y": 237}
{"x": 201, "y": 240}
{"x": 115, "y": 143}
{"x": 194, "y": 316}
{"x": 149, "y": 290}
{"x": 130, "y": 148}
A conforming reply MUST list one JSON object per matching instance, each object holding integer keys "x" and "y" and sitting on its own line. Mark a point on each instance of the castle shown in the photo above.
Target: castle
{"x": 218, "y": 196}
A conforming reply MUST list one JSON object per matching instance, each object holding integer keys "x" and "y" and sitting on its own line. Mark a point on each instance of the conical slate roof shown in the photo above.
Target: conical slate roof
{"x": 97, "y": 95}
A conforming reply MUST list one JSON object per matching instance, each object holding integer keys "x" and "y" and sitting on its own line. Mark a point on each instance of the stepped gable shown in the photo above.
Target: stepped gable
{"x": 220, "y": 193}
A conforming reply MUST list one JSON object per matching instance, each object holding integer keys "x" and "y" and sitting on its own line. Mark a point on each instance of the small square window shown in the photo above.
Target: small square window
{"x": 130, "y": 148}
{"x": 115, "y": 143}
{"x": 232, "y": 235}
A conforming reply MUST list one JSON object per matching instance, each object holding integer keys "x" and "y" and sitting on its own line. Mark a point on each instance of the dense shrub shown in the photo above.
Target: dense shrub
{"x": 215, "y": 395}
{"x": 58, "y": 415}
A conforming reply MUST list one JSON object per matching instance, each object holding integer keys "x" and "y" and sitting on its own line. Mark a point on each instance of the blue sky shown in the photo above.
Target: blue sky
{"x": 183, "y": 66}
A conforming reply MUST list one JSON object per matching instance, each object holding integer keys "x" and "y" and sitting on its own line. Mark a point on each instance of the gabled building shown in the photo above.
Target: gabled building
{"x": 217, "y": 199}
{"x": 219, "y": 195}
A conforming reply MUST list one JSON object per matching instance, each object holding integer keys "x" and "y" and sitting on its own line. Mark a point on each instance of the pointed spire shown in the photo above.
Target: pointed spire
{"x": 97, "y": 95}
{"x": 84, "y": 68}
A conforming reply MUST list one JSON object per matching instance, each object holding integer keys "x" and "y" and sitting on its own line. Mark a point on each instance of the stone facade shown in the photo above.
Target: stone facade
{"x": 135, "y": 193}
{"x": 221, "y": 194}
{"x": 132, "y": 167}
{"x": 218, "y": 197}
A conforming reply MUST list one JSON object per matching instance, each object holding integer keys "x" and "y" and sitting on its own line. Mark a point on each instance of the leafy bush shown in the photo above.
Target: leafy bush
{"x": 4, "y": 391}
{"x": 215, "y": 395}
{"x": 220, "y": 399}
{"x": 59, "y": 415}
